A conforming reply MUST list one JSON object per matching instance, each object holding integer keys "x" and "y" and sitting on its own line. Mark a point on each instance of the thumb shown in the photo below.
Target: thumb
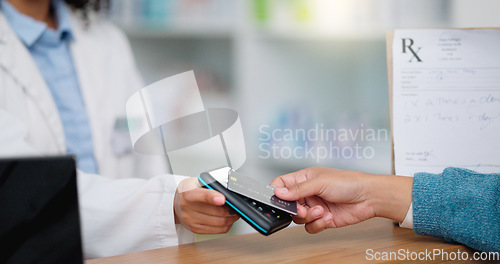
{"x": 301, "y": 190}
{"x": 215, "y": 197}
{"x": 202, "y": 195}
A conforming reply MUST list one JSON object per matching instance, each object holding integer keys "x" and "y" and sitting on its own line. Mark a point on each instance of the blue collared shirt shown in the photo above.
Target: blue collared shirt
{"x": 51, "y": 52}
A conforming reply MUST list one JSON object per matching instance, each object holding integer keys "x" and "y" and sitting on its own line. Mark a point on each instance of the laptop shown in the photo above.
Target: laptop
{"x": 39, "y": 217}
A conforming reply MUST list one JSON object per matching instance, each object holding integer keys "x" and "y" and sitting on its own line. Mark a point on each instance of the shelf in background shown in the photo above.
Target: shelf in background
{"x": 165, "y": 32}
{"x": 221, "y": 32}
{"x": 356, "y": 34}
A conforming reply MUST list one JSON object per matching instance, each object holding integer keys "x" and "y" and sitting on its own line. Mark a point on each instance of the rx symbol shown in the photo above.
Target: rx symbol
{"x": 407, "y": 45}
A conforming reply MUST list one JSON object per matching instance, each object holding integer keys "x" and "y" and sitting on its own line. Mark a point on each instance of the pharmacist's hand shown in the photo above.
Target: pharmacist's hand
{"x": 201, "y": 210}
{"x": 334, "y": 198}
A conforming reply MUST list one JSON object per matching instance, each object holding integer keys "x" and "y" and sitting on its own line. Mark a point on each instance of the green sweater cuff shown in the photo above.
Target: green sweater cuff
{"x": 458, "y": 205}
{"x": 427, "y": 204}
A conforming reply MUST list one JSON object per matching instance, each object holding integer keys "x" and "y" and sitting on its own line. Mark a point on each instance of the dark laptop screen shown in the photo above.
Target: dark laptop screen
{"x": 39, "y": 219}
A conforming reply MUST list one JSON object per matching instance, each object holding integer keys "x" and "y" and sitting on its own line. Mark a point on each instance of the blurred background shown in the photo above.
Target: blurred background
{"x": 289, "y": 64}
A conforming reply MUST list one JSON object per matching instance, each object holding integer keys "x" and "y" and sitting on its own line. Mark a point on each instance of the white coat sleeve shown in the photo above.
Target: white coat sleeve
{"x": 127, "y": 215}
{"x": 117, "y": 216}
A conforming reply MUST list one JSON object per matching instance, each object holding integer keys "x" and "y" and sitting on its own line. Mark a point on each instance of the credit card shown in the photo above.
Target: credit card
{"x": 251, "y": 188}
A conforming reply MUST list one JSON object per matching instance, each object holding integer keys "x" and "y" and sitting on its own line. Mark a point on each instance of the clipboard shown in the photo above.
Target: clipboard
{"x": 389, "y": 39}
{"x": 390, "y": 74}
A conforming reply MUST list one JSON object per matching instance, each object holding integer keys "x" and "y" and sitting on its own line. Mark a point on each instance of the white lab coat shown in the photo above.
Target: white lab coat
{"x": 118, "y": 216}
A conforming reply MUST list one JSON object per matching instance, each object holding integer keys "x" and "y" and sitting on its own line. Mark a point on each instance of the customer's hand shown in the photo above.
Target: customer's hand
{"x": 201, "y": 210}
{"x": 334, "y": 198}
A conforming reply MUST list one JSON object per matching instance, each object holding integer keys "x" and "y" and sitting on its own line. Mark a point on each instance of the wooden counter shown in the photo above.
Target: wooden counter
{"x": 295, "y": 245}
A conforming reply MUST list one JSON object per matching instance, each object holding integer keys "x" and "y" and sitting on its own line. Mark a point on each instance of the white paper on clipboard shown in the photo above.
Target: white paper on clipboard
{"x": 446, "y": 100}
